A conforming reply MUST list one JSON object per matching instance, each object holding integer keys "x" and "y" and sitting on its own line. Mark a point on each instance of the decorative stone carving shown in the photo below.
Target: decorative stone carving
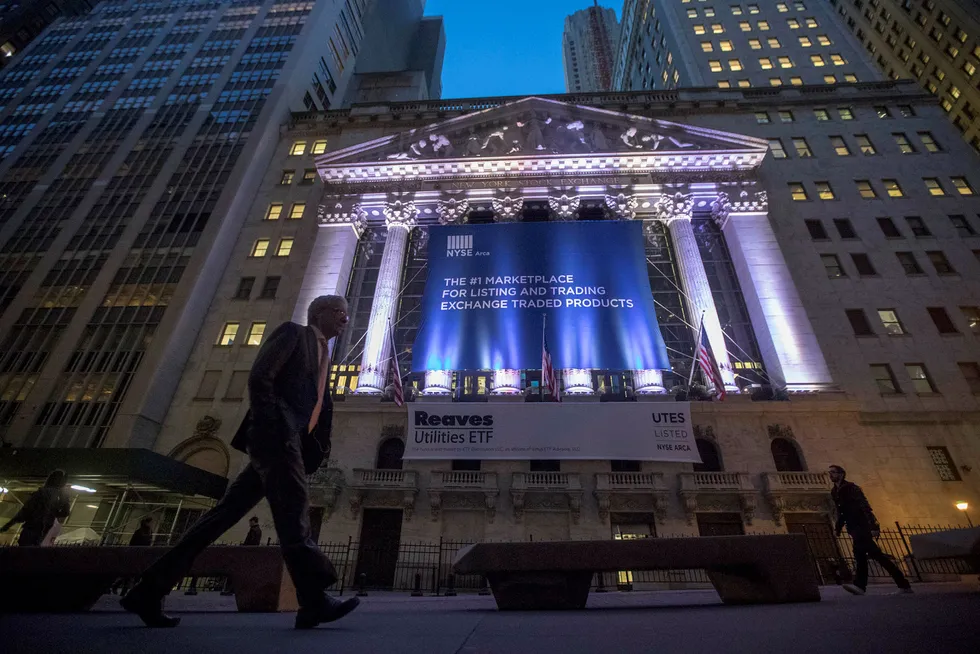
{"x": 780, "y": 431}
{"x": 721, "y": 207}
{"x": 207, "y": 427}
{"x": 335, "y": 213}
{"x": 674, "y": 206}
{"x": 452, "y": 210}
{"x": 517, "y": 501}
{"x": 399, "y": 213}
{"x": 565, "y": 206}
{"x": 751, "y": 202}
{"x": 707, "y": 433}
{"x": 622, "y": 205}
{"x": 508, "y": 207}
{"x": 326, "y": 485}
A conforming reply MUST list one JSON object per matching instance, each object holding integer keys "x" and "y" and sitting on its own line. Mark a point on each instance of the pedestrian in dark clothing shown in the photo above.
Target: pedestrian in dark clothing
{"x": 144, "y": 535}
{"x": 854, "y": 512}
{"x": 254, "y": 536}
{"x": 286, "y": 434}
{"x": 43, "y": 507}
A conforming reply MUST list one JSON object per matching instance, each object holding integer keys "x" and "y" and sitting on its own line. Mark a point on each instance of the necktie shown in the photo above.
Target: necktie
{"x": 321, "y": 385}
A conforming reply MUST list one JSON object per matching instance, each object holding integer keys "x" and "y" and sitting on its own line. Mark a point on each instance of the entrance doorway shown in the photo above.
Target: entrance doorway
{"x": 377, "y": 551}
{"x": 631, "y": 526}
{"x": 828, "y": 561}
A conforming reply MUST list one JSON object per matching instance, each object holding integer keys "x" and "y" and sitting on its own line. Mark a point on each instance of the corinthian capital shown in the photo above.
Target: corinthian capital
{"x": 452, "y": 210}
{"x": 400, "y": 214}
{"x": 676, "y": 206}
{"x": 507, "y": 207}
{"x": 565, "y": 206}
{"x": 622, "y": 205}
{"x": 721, "y": 207}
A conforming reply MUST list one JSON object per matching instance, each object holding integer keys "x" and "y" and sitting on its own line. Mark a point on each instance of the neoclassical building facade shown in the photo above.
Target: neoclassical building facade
{"x": 736, "y": 217}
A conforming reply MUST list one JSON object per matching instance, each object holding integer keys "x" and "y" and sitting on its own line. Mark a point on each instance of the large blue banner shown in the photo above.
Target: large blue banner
{"x": 491, "y": 288}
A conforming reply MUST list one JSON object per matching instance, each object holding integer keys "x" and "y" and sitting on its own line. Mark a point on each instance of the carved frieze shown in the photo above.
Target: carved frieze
{"x": 622, "y": 205}
{"x": 674, "y": 206}
{"x": 564, "y": 206}
{"x": 508, "y": 207}
{"x": 452, "y": 210}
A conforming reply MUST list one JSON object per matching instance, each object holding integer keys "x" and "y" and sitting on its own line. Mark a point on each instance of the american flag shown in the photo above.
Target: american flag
{"x": 396, "y": 375}
{"x": 708, "y": 363}
{"x": 549, "y": 381}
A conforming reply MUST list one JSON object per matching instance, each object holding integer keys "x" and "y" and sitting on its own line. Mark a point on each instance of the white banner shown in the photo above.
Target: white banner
{"x": 638, "y": 431}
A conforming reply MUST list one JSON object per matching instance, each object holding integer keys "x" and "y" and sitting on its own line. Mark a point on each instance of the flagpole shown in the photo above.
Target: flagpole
{"x": 697, "y": 348}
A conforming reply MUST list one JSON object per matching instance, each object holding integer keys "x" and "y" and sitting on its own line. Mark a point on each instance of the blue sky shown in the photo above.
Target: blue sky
{"x": 504, "y": 47}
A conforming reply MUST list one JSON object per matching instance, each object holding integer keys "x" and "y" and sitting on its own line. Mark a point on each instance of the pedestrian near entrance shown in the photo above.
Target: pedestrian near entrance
{"x": 254, "y": 535}
{"x": 42, "y": 511}
{"x": 854, "y": 512}
{"x": 143, "y": 537}
{"x": 286, "y": 435}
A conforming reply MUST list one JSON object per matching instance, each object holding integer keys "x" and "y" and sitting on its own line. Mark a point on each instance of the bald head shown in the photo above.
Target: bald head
{"x": 328, "y": 313}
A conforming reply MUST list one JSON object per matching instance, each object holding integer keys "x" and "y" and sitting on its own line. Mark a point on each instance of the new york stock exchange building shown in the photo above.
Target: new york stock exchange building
{"x": 612, "y": 230}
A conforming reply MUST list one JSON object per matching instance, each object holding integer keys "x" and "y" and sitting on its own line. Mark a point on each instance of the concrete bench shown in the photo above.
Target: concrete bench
{"x": 71, "y": 579}
{"x": 557, "y": 575}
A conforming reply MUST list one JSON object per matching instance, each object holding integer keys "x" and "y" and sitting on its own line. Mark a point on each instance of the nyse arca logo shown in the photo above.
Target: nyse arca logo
{"x": 461, "y": 245}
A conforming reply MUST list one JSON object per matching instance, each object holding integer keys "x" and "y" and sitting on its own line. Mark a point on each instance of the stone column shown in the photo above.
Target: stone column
{"x": 400, "y": 217}
{"x": 676, "y": 210}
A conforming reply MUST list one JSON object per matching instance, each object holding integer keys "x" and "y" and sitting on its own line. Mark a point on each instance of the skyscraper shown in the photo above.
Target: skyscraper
{"x": 588, "y": 44}
{"x": 743, "y": 45}
{"x": 936, "y": 43}
{"x": 22, "y": 20}
{"x": 131, "y": 143}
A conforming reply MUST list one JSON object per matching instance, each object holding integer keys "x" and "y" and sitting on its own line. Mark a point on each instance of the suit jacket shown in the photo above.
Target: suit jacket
{"x": 282, "y": 391}
{"x": 853, "y": 509}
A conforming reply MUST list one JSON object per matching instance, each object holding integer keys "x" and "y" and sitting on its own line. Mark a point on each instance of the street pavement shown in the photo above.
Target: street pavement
{"x": 937, "y": 618}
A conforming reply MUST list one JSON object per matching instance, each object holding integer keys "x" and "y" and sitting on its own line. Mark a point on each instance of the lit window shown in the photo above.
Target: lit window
{"x": 802, "y": 148}
{"x": 255, "y": 333}
{"x": 831, "y": 264}
{"x": 763, "y": 25}
{"x": 260, "y": 247}
{"x": 765, "y": 63}
{"x": 962, "y": 186}
{"x": 715, "y": 66}
{"x": 228, "y": 334}
{"x": 774, "y": 43}
{"x": 706, "y": 46}
{"x": 724, "y": 84}
{"x": 309, "y": 176}
{"x": 969, "y": 69}
{"x": 846, "y": 113}
{"x": 883, "y": 112}
{"x": 735, "y": 64}
{"x": 821, "y": 114}
{"x": 850, "y": 78}
{"x": 933, "y": 186}
{"x": 943, "y": 463}
{"x": 762, "y": 118}
{"x": 812, "y": 23}
{"x": 709, "y": 12}
{"x": 744, "y": 84}
{"x": 319, "y": 147}
{"x": 299, "y": 148}
{"x": 755, "y": 44}
{"x": 782, "y": 7}
{"x": 736, "y": 10}
{"x": 274, "y": 212}
{"x": 893, "y": 189}
{"x": 955, "y": 92}
{"x": 805, "y": 41}
{"x": 920, "y": 378}
{"x": 717, "y": 28}
{"x": 824, "y": 190}
{"x": 692, "y": 13}
{"x": 890, "y": 321}
{"x": 775, "y": 81}
{"x": 776, "y": 146}
{"x": 285, "y": 247}
{"x": 866, "y": 190}
{"x": 838, "y": 60}
{"x": 793, "y": 23}
{"x": 928, "y": 142}
{"x": 753, "y": 9}
{"x": 817, "y": 60}
{"x": 726, "y": 46}
{"x": 785, "y": 116}
{"x": 829, "y": 79}
{"x": 865, "y": 144}
{"x": 699, "y": 29}
{"x": 785, "y": 62}
{"x": 903, "y": 144}
{"x": 745, "y": 26}
{"x": 287, "y": 177}
{"x": 972, "y": 315}
{"x": 840, "y": 146}
{"x": 823, "y": 39}
{"x": 797, "y": 192}
{"x": 297, "y": 211}
{"x": 884, "y": 379}
{"x": 796, "y": 81}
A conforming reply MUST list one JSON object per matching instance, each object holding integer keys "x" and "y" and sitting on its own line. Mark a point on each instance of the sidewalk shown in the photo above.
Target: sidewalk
{"x": 939, "y": 617}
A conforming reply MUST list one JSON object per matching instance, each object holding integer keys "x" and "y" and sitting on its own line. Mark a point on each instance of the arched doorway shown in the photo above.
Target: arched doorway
{"x": 390, "y": 454}
{"x": 710, "y": 457}
{"x": 786, "y": 455}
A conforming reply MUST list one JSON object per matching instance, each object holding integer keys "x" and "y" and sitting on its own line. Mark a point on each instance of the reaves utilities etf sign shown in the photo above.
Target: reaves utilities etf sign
{"x": 638, "y": 431}
{"x": 490, "y": 287}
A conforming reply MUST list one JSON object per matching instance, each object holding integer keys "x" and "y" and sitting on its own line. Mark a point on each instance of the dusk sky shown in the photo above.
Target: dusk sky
{"x": 504, "y": 47}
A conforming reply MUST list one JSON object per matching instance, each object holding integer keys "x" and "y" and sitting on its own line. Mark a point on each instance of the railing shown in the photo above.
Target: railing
{"x": 715, "y": 481}
{"x": 384, "y": 478}
{"x": 546, "y": 481}
{"x": 796, "y": 481}
{"x": 618, "y": 481}
{"x": 463, "y": 480}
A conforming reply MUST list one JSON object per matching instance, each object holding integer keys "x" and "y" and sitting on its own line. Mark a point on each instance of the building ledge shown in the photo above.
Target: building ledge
{"x": 548, "y": 491}
{"x": 631, "y": 491}
{"x": 717, "y": 491}
{"x": 463, "y": 489}
{"x": 384, "y": 489}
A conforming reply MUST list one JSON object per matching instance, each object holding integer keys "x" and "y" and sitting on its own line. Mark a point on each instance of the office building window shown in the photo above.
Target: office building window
{"x": 715, "y": 66}
{"x": 298, "y": 148}
{"x": 863, "y": 264}
{"x": 309, "y": 176}
{"x": 798, "y": 192}
{"x": 717, "y": 28}
{"x": 908, "y": 263}
{"x": 859, "y": 322}
{"x": 319, "y": 147}
{"x": 775, "y": 81}
{"x": 745, "y": 26}
{"x": 866, "y": 190}
{"x": 812, "y": 23}
{"x": 287, "y": 177}
{"x": 285, "y": 247}
{"x": 891, "y": 322}
{"x": 892, "y": 188}
{"x": 933, "y": 186}
{"x": 228, "y": 334}
{"x": 817, "y": 60}
{"x": 208, "y": 385}
{"x": 269, "y": 288}
{"x": 274, "y": 212}
{"x": 883, "y": 112}
{"x": 776, "y": 146}
{"x": 823, "y": 39}
{"x": 821, "y": 114}
{"x": 802, "y": 148}
{"x": 888, "y": 228}
{"x": 726, "y": 46}
{"x": 961, "y": 185}
{"x": 971, "y": 373}
{"x": 831, "y": 264}
{"x": 941, "y": 263}
{"x": 237, "y": 385}
{"x": 824, "y": 190}
{"x": 918, "y": 227}
{"x": 840, "y": 146}
{"x": 904, "y": 146}
{"x": 785, "y": 62}
{"x": 707, "y": 46}
{"x": 255, "y": 333}
{"x": 244, "y": 290}
{"x": 260, "y": 247}
{"x": 944, "y": 463}
{"x": 845, "y": 113}
{"x": 755, "y": 44}
{"x": 724, "y": 84}
{"x": 816, "y": 230}
{"x": 735, "y": 64}
{"x": 297, "y": 210}
{"x": 805, "y": 41}
{"x": 972, "y": 316}
{"x": 829, "y": 79}
{"x": 944, "y": 324}
{"x": 921, "y": 382}
{"x": 838, "y": 59}
{"x": 865, "y": 144}
{"x": 844, "y": 228}
{"x": 884, "y": 379}
{"x": 762, "y": 118}
{"x": 929, "y": 143}
{"x": 744, "y": 84}
{"x": 962, "y": 226}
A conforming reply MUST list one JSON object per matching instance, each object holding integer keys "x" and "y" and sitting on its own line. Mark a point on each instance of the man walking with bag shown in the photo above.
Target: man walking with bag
{"x": 286, "y": 435}
{"x": 854, "y": 511}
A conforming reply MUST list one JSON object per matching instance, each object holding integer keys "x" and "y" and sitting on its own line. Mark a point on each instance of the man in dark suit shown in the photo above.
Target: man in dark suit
{"x": 286, "y": 434}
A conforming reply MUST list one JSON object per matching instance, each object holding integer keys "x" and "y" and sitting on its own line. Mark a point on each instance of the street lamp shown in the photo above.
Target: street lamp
{"x": 963, "y": 506}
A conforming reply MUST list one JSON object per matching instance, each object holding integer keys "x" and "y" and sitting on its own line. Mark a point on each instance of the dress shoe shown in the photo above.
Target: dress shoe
{"x": 149, "y": 610}
{"x": 854, "y": 590}
{"x": 332, "y": 609}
